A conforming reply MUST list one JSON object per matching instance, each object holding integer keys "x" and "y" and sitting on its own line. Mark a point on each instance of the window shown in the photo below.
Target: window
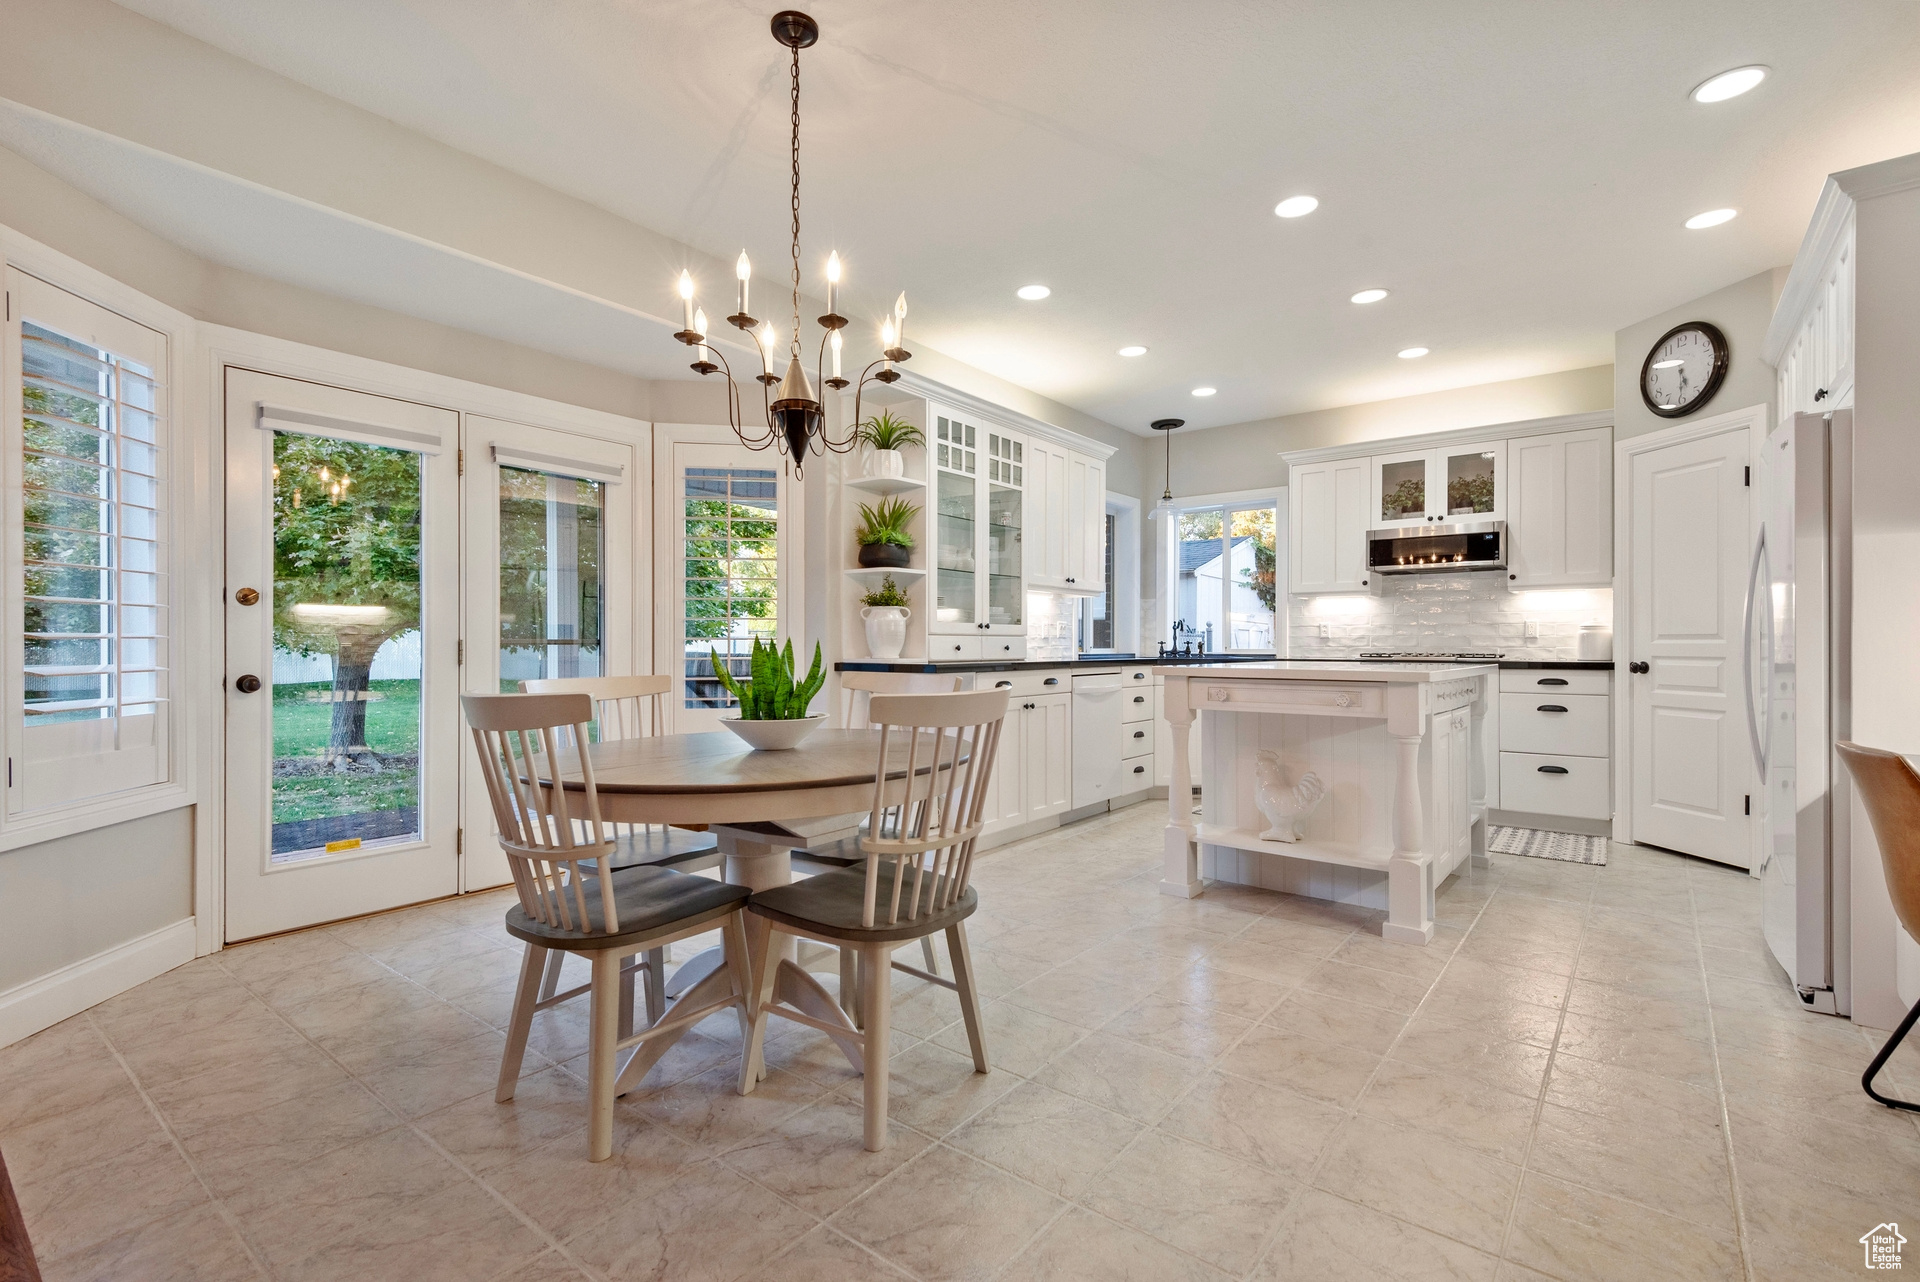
{"x": 88, "y": 637}
{"x": 1226, "y": 576}
{"x": 733, "y": 574}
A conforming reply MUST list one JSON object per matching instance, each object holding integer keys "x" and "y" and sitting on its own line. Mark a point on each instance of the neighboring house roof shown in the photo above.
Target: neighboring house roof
{"x": 1195, "y": 553}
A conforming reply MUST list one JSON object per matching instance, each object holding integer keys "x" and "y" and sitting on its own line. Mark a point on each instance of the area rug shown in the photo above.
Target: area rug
{"x": 1537, "y": 843}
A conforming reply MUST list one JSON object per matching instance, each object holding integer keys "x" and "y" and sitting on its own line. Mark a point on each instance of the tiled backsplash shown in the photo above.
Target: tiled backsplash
{"x": 1447, "y": 612}
{"x": 1050, "y": 623}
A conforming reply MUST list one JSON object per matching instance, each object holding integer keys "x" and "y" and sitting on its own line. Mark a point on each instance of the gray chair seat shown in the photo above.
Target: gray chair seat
{"x": 648, "y": 901}
{"x": 832, "y": 904}
{"x": 663, "y": 847}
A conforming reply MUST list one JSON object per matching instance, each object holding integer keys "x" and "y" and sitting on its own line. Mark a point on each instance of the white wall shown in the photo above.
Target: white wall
{"x": 1886, "y": 523}
{"x": 1741, "y": 311}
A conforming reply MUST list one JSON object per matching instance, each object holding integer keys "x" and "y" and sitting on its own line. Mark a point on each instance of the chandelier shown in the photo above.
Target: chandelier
{"x": 794, "y": 421}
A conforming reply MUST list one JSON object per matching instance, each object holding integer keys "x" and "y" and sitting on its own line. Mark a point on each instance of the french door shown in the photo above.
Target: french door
{"x": 723, "y": 521}
{"x": 342, "y": 627}
{"x": 550, "y": 519}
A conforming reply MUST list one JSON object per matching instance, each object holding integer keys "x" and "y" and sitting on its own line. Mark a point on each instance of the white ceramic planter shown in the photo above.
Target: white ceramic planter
{"x": 890, "y": 464}
{"x": 775, "y": 736}
{"x": 886, "y": 630}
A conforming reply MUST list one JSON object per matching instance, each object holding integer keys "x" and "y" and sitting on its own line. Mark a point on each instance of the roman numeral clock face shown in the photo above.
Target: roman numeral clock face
{"x": 1684, "y": 369}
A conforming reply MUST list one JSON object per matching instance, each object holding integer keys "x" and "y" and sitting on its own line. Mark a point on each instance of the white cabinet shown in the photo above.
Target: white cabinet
{"x": 1815, "y": 369}
{"x": 1560, "y": 509}
{"x": 1086, "y": 525}
{"x": 1067, "y": 508}
{"x": 1556, "y": 742}
{"x": 1327, "y": 511}
{"x": 979, "y": 475}
{"x": 1457, "y": 483}
{"x": 1048, "y": 731}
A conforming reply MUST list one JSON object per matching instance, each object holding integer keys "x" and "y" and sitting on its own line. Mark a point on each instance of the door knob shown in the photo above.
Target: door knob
{"x": 247, "y": 596}
{"x": 1638, "y": 667}
{"x": 248, "y": 684}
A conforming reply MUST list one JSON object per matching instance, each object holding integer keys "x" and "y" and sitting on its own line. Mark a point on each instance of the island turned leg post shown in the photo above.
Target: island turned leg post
{"x": 1410, "y": 871}
{"x": 1180, "y": 871}
{"x": 1477, "y": 774}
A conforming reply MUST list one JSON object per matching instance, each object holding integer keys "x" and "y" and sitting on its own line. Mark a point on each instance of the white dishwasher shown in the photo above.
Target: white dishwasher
{"x": 1099, "y": 742}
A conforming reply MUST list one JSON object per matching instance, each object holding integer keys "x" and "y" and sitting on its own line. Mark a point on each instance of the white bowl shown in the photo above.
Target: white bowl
{"x": 774, "y": 736}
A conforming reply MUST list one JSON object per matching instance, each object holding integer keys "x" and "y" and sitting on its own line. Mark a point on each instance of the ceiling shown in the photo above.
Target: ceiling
{"x": 1516, "y": 173}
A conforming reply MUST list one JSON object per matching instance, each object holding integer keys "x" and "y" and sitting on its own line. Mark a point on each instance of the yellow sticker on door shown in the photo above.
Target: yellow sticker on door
{"x": 335, "y": 847}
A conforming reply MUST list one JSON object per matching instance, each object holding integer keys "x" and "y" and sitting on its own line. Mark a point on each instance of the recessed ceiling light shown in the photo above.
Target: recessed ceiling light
{"x": 1033, "y": 293}
{"x": 1205, "y": 391}
{"x": 1369, "y": 295}
{"x": 1135, "y": 350}
{"x": 1729, "y": 84}
{"x": 1712, "y": 218}
{"x": 1667, "y": 365}
{"x": 1412, "y": 353}
{"x": 1295, "y": 206}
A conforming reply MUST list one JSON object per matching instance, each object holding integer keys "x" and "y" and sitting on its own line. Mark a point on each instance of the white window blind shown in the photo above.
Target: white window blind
{"x": 89, "y": 632}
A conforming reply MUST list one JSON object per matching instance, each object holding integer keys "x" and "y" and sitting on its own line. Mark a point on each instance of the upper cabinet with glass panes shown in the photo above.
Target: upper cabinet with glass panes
{"x": 1459, "y": 483}
{"x": 979, "y": 508}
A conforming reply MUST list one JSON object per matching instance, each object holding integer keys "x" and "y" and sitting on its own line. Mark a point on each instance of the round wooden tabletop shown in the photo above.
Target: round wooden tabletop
{"x": 718, "y": 761}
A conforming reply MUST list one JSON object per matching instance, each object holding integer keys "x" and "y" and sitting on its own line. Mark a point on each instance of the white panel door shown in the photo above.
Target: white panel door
{"x": 1049, "y": 749}
{"x": 549, "y": 580}
{"x": 1006, "y": 805}
{"x": 1691, "y": 547}
{"x": 342, "y": 622}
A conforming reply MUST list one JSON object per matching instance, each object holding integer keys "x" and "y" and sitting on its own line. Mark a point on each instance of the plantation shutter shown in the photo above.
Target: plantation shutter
{"x": 88, "y": 623}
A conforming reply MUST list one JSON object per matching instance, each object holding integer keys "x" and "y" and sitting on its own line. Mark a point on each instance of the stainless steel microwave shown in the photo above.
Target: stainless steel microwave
{"x": 1438, "y": 549}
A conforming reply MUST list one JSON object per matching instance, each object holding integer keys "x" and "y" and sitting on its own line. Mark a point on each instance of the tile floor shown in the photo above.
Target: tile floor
{"x": 1591, "y": 1073}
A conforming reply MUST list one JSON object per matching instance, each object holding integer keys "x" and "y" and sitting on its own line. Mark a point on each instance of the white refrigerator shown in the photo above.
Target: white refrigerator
{"x": 1798, "y": 605}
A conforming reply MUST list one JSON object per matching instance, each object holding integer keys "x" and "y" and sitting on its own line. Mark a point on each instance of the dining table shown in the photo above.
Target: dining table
{"x": 757, "y": 803}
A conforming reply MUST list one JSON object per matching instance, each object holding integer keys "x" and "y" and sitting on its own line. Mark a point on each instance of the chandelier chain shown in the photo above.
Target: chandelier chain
{"x": 795, "y": 346}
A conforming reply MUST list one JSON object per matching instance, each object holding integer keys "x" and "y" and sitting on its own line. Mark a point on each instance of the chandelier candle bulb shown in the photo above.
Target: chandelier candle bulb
{"x": 887, "y": 343}
{"x": 744, "y": 271}
{"x": 686, "y": 299}
{"x": 833, "y": 291}
{"x": 899, "y": 321}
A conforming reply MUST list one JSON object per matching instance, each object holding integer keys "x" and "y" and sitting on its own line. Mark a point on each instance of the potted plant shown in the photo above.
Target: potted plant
{"x": 883, "y": 538}
{"x": 773, "y": 706}
{"x": 885, "y": 612}
{"x": 887, "y": 436}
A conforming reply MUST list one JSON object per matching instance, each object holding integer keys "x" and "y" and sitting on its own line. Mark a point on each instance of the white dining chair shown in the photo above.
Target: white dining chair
{"x": 914, "y": 881}
{"x": 573, "y": 900}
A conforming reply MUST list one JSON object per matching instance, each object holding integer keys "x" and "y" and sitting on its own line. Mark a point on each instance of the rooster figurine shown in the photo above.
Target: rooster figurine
{"x": 1286, "y": 808}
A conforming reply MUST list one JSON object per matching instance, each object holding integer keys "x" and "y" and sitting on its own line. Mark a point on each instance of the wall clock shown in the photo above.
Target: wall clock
{"x": 1684, "y": 369}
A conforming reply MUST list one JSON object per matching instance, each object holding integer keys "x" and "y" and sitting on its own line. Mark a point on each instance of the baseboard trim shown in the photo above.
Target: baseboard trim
{"x": 1550, "y": 823}
{"x": 43, "y": 1002}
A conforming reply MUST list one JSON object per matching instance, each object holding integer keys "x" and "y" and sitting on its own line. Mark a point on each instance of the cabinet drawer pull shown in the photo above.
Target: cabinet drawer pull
{"x": 1003, "y": 685}
{"x": 1139, "y": 770}
{"x": 1545, "y": 770}
{"x": 1139, "y": 734}
{"x": 1139, "y": 676}
{"x": 1550, "y": 707}
{"x": 1051, "y": 681}
{"x": 1027, "y": 705}
{"x": 1139, "y": 698}
{"x": 1551, "y": 681}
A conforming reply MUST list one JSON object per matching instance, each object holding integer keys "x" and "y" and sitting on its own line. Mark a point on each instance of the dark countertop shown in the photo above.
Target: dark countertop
{"x": 1122, "y": 660}
{"x": 1036, "y": 665}
{"x": 1580, "y": 665}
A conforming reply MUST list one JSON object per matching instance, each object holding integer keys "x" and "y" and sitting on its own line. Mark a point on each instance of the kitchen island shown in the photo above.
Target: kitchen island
{"x": 1398, "y": 799}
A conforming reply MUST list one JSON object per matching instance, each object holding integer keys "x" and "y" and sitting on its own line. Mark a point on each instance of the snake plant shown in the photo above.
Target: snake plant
{"x": 771, "y": 693}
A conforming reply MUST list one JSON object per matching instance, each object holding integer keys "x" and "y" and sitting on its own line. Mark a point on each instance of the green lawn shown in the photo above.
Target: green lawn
{"x": 300, "y": 730}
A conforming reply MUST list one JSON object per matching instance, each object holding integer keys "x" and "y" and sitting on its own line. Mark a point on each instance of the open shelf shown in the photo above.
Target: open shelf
{"x": 884, "y": 484}
{"x": 1327, "y": 852}
{"x": 900, "y": 574}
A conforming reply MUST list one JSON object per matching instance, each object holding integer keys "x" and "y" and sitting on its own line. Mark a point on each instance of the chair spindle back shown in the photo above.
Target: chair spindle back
{"x": 936, "y": 758}
{"x": 546, "y": 832}
{"x": 623, "y": 707}
{"x": 853, "y": 685}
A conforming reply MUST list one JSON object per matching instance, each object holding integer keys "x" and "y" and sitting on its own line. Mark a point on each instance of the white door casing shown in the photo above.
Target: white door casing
{"x": 263, "y": 897}
{"x": 677, "y": 447}
{"x": 1687, "y": 526}
{"x": 489, "y": 444}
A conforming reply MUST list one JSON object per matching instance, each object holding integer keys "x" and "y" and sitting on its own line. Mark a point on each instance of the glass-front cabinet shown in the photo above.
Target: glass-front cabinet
{"x": 1457, "y": 483}
{"x": 979, "y": 572}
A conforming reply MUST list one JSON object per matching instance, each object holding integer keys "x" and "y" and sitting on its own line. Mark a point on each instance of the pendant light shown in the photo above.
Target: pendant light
{"x": 1166, "y": 425}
